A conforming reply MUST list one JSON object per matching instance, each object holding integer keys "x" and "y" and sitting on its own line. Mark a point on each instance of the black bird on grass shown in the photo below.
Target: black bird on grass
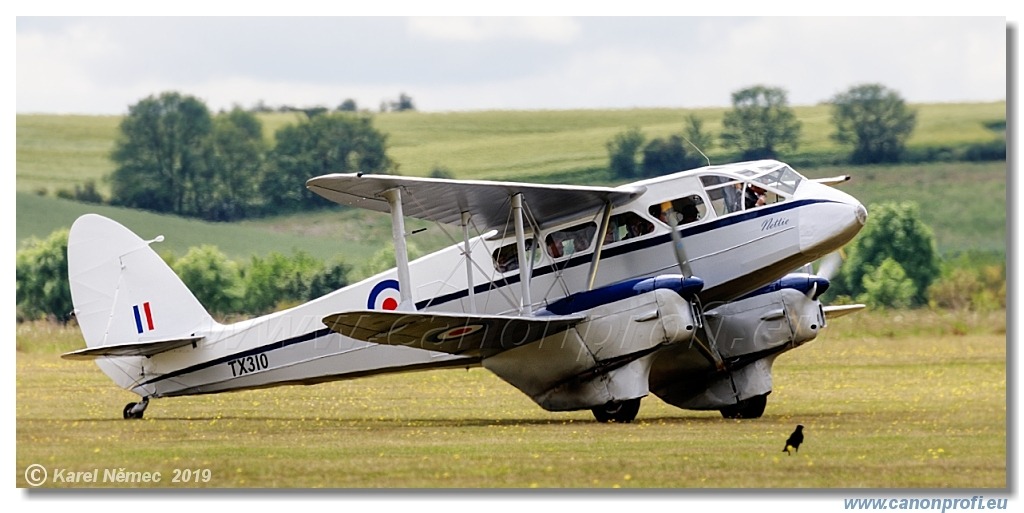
{"x": 794, "y": 440}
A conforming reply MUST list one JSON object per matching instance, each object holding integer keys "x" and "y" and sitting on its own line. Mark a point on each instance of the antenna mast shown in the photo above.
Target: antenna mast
{"x": 696, "y": 148}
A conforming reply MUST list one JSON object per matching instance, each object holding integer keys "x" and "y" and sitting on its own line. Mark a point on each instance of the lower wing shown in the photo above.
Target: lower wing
{"x": 457, "y": 334}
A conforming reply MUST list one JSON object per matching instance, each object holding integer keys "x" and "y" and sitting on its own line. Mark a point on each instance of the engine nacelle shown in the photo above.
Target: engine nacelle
{"x": 603, "y": 359}
{"x": 743, "y": 338}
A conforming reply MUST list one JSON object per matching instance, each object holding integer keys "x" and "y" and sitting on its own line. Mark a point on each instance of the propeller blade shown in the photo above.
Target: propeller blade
{"x": 829, "y": 265}
{"x": 677, "y": 240}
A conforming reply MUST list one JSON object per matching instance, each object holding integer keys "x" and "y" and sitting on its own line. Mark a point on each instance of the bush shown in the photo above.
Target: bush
{"x": 86, "y": 193}
{"x": 622, "y": 153}
{"x": 212, "y": 277}
{"x": 894, "y": 231}
{"x": 887, "y": 286}
{"x": 967, "y": 284}
{"x": 992, "y": 150}
{"x": 277, "y": 281}
{"x": 441, "y": 172}
{"x": 41, "y": 279}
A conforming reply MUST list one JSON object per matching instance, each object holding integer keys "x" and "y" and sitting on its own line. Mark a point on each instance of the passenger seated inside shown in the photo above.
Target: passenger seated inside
{"x": 690, "y": 213}
{"x": 554, "y": 247}
{"x": 638, "y": 226}
{"x": 507, "y": 261}
{"x": 684, "y": 209}
{"x": 506, "y": 258}
{"x": 626, "y": 226}
{"x": 570, "y": 240}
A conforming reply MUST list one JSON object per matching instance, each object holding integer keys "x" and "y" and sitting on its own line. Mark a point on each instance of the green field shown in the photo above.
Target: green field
{"x": 57, "y": 151}
{"x": 889, "y": 400}
{"x": 963, "y": 202}
{"x": 351, "y": 235}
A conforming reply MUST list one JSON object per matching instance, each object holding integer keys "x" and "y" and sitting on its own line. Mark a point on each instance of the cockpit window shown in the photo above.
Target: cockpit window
{"x": 687, "y": 209}
{"x": 724, "y": 193}
{"x": 570, "y": 240}
{"x": 784, "y": 179}
{"x": 728, "y": 194}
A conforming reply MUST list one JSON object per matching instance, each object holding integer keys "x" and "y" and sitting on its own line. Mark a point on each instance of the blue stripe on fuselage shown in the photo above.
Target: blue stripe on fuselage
{"x": 628, "y": 247}
{"x": 511, "y": 280}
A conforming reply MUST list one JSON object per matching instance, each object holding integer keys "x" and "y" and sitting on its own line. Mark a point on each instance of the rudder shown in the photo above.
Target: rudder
{"x": 123, "y": 292}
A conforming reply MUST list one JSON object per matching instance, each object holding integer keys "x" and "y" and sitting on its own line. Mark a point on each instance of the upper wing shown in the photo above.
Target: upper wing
{"x": 446, "y": 332}
{"x": 444, "y": 201}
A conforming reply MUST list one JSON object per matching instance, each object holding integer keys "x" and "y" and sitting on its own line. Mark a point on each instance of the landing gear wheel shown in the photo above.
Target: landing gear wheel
{"x": 128, "y": 412}
{"x": 751, "y": 408}
{"x": 135, "y": 410}
{"x": 623, "y": 412}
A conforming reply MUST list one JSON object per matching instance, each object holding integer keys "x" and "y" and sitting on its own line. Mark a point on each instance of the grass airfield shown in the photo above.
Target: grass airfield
{"x": 889, "y": 400}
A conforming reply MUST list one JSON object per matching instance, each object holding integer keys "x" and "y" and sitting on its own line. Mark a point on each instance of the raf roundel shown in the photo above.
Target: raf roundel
{"x": 384, "y": 296}
{"x": 459, "y": 332}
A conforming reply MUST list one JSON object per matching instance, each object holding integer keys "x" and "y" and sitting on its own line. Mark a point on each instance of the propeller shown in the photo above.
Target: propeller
{"x": 677, "y": 240}
{"x": 829, "y": 265}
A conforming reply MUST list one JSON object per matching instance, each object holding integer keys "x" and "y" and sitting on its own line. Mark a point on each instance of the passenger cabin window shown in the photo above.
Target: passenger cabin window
{"x": 570, "y": 240}
{"x": 687, "y": 209}
{"x": 626, "y": 225}
{"x": 506, "y": 258}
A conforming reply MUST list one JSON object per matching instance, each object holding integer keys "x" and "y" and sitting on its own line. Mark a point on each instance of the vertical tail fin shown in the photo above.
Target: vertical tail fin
{"x": 124, "y": 293}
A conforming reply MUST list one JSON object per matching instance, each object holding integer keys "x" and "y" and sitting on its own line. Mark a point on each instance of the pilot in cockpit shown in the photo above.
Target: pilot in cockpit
{"x": 753, "y": 196}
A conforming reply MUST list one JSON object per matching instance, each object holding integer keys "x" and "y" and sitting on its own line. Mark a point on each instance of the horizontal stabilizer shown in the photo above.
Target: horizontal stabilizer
{"x": 831, "y": 312}
{"x": 149, "y": 348}
{"x": 456, "y": 334}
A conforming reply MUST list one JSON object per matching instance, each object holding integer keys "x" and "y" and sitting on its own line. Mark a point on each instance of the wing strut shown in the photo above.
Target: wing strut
{"x": 394, "y": 197}
{"x": 524, "y": 268}
{"x": 602, "y": 231}
{"x": 469, "y": 260}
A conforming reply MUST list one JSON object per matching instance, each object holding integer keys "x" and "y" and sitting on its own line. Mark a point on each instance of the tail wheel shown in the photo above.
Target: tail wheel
{"x": 623, "y": 412}
{"x": 128, "y": 411}
{"x": 751, "y": 408}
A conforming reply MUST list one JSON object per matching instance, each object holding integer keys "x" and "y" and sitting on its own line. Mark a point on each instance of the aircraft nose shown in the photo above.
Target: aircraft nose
{"x": 861, "y": 213}
{"x": 831, "y": 222}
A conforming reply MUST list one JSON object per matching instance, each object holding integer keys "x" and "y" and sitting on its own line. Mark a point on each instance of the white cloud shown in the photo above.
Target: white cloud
{"x": 465, "y": 29}
{"x": 54, "y": 70}
{"x": 925, "y": 59}
{"x": 102, "y": 65}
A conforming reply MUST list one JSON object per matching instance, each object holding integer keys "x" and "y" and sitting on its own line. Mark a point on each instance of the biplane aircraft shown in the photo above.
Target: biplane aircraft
{"x": 684, "y": 286}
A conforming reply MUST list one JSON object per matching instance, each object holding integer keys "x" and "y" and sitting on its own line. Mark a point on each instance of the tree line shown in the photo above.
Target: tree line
{"x": 223, "y": 286}
{"x": 174, "y": 156}
{"x": 871, "y": 120}
{"x": 403, "y": 103}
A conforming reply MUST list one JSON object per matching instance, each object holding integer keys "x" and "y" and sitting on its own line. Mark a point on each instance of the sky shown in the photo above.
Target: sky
{"x": 102, "y": 65}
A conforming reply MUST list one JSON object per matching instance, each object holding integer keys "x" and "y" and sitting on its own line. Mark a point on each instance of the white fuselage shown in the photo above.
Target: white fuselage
{"x": 733, "y": 253}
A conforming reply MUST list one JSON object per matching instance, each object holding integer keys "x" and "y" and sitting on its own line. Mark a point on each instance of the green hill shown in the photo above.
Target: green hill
{"x": 57, "y": 152}
{"x": 963, "y": 202}
{"x": 351, "y": 234}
